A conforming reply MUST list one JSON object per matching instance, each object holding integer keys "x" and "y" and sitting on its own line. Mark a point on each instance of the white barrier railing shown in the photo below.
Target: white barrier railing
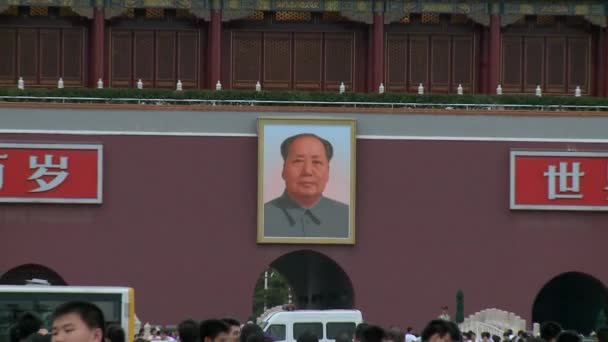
{"x": 479, "y": 327}
{"x": 494, "y": 321}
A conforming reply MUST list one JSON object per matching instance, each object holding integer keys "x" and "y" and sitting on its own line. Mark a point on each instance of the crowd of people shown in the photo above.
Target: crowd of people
{"x": 84, "y": 322}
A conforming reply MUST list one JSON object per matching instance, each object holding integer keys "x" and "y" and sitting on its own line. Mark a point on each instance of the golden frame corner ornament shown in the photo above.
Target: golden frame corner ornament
{"x": 264, "y": 125}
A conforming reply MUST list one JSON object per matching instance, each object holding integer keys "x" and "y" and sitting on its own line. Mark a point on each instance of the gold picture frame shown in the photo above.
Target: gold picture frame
{"x": 306, "y": 180}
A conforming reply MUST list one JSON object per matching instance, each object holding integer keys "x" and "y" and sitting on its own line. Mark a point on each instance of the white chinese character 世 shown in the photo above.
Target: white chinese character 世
{"x": 42, "y": 170}
{"x": 563, "y": 176}
{"x": 2, "y": 156}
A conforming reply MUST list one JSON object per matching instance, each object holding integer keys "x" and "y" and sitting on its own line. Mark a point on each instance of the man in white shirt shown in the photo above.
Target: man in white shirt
{"x": 444, "y": 314}
{"x": 409, "y": 335}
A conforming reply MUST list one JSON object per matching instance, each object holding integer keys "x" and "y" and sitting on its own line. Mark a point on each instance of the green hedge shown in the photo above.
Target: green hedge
{"x": 113, "y": 93}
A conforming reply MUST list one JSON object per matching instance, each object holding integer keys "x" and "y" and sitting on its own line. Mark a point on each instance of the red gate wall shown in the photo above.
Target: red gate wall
{"x": 178, "y": 224}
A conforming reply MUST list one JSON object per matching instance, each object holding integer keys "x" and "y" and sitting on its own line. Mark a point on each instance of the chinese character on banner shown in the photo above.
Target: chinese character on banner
{"x": 559, "y": 180}
{"x": 606, "y": 188}
{"x": 42, "y": 170}
{"x": 51, "y": 173}
{"x": 2, "y": 156}
{"x": 563, "y": 177}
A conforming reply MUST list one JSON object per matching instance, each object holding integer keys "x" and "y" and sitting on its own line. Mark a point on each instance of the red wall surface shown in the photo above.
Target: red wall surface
{"x": 178, "y": 223}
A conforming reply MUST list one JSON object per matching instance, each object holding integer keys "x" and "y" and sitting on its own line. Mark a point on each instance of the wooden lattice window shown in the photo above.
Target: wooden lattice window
{"x": 277, "y": 60}
{"x": 246, "y": 59}
{"x": 396, "y": 61}
{"x": 459, "y": 18}
{"x": 11, "y": 11}
{"x": 293, "y": 60}
{"x": 37, "y": 11}
{"x": 155, "y": 13}
{"x": 42, "y": 55}
{"x": 338, "y": 62}
{"x": 430, "y": 18}
{"x": 293, "y": 16}
{"x": 406, "y": 19}
{"x": 308, "y": 55}
{"x": 545, "y": 20}
{"x": 129, "y": 13}
{"x": 256, "y": 16}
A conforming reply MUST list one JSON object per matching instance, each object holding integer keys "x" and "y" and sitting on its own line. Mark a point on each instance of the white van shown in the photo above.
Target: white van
{"x": 326, "y": 324}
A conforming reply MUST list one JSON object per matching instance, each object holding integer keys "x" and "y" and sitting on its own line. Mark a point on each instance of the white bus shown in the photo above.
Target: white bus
{"x": 117, "y": 304}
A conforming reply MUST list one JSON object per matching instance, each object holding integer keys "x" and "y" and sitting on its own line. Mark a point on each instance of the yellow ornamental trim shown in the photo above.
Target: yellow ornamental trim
{"x": 581, "y": 9}
{"x": 437, "y": 8}
{"x": 332, "y": 5}
{"x": 526, "y": 9}
{"x": 363, "y": 6}
{"x": 158, "y": 3}
{"x": 233, "y": 4}
{"x": 298, "y": 5}
{"x": 554, "y": 9}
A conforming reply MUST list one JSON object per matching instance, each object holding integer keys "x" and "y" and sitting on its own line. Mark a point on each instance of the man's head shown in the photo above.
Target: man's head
{"x": 214, "y": 330}
{"x": 485, "y": 336}
{"x": 409, "y": 330}
{"x": 394, "y": 334}
{"x": 13, "y": 333}
{"x": 308, "y": 337}
{"x": 78, "y": 322}
{"x": 373, "y": 333}
{"x": 258, "y": 337}
{"x": 535, "y": 339}
{"x": 549, "y": 331}
{"x": 306, "y": 167}
{"x": 569, "y": 336}
{"x": 27, "y": 324}
{"x": 359, "y": 331}
{"x": 248, "y": 330}
{"x": 188, "y": 331}
{"x": 444, "y": 310}
{"x": 344, "y": 336}
{"x": 115, "y": 333}
{"x": 235, "y": 329}
{"x": 440, "y": 331}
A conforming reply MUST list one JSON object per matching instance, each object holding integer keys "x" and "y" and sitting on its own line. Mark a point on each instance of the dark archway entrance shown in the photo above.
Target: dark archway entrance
{"x": 317, "y": 281}
{"x": 314, "y": 280}
{"x": 572, "y": 299}
{"x": 21, "y": 274}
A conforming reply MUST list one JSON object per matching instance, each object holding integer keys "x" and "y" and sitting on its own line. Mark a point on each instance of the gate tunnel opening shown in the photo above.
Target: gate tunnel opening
{"x": 573, "y": 300}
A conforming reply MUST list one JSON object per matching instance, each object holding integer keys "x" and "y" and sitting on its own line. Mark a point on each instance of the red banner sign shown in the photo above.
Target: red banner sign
{"x": 50, "y": 173}
{"x": 559, "y": 180}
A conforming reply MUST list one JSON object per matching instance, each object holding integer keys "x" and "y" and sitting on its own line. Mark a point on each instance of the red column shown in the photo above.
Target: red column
{"x": 484, "y": 88}
{"x": 96, "y": 48}
{"x": 494, "y": 55}
{"x": 604, "y": 61}
{"x": 369, "y": 72}
{"x": 215, "y": 48}
{"x": 378, "y": 51}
